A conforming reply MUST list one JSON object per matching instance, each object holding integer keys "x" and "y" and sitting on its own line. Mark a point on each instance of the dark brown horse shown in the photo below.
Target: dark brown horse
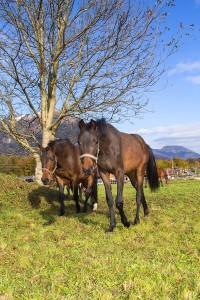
{"x": 117, "y": 153}
{"x": 61, "y": 159}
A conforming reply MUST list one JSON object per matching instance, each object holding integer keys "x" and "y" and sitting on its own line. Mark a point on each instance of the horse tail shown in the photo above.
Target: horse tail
{"x": 152, "y": 173}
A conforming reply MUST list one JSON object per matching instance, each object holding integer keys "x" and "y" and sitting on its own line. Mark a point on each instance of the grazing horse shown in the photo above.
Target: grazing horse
{"x": 61, "y": 159}
{"x": 162, "y": 174}
{"x": 120, "y": 154}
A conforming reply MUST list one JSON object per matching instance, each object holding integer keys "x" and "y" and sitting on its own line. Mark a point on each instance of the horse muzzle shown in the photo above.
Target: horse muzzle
{"x": 45, "y": 181}
{"x": 88, "y": 171}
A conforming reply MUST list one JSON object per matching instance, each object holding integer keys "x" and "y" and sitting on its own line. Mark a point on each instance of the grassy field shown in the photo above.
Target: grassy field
{"x": 44, "y": 256}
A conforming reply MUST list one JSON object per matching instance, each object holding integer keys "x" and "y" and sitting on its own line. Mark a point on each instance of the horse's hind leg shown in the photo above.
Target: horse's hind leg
{"x": 140, "y": 198}
{"x": 119, "y": 198}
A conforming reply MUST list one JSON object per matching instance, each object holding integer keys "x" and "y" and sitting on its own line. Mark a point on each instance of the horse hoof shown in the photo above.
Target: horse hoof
{"x": 146, "y": 212}
{"x": 62, "y": 212}
{"x": 110, "y": 229}
{"x": 136, "y": 222}
{"x": 127, "y": 224}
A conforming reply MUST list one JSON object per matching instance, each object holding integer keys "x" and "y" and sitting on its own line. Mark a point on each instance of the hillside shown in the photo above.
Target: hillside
{"x": 169, "y": 152}
{"x": 28, "y": 124}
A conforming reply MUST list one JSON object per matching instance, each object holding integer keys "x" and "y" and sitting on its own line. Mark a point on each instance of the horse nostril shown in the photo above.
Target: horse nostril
{"x": 45, "y": 181}
{"x": 88, "y": 171}
{"x": 91, "y": 170}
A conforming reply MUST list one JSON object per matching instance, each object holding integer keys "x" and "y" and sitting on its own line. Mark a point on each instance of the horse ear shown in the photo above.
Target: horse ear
{"x": 81, "y": 124}
{"x": 93, "y": 125}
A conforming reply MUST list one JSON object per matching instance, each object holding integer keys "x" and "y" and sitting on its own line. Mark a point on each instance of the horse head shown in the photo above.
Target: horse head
{"x": 88, "y": 146}
{"x": 49, "y": 163}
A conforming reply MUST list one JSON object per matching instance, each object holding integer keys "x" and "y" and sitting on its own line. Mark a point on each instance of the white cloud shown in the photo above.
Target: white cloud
{"x": 194, "y": 79}
{"x": 186, "y": 135}
{"x": 185, "y": 67}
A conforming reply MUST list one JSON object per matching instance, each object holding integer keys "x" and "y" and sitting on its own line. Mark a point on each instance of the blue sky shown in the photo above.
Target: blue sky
{"x": 175, "y": 119}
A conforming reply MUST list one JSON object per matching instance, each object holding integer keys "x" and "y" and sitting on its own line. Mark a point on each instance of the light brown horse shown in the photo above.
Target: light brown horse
{"x": 120, "y": 154}
{"x": 61, "y": 159}
{"x": 162, "y": 174}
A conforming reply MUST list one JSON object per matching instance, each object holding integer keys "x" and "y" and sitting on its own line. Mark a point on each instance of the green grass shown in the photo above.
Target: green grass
{"x": 44, "y": 256}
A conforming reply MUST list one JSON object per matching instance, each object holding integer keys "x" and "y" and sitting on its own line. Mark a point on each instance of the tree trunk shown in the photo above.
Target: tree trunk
{"x": 38, "y": 169}
{"x": 47, "y": 137}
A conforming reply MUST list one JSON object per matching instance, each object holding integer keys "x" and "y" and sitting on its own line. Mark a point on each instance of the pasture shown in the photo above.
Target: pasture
{"x": 44, "y": 256}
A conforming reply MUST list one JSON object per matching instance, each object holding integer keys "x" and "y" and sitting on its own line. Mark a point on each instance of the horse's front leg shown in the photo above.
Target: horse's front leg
{"x": 106, "y": 180}
{"x": 61, "y": 198}
{"x": 91, "y": 191}
{"x": 75, "y": 195}
{"x": 87, "y": 196}
{"x": 119, "y": 198}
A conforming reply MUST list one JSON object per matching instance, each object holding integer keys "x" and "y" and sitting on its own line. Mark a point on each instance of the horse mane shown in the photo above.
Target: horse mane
{"x": 103, "y": 127}
{"x": 52, "y": 143}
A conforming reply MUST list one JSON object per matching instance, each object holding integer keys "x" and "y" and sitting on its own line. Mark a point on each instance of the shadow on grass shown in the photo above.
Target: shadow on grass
{"x": 42, "y": 196}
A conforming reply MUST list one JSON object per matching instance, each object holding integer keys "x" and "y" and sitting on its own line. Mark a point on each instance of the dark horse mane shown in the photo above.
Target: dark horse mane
{"x": 52, "y": 143}
{"x": 103, "y": 127}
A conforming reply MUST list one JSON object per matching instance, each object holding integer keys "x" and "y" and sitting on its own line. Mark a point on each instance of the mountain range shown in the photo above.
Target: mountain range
{"x": 169, "y": 152}
{"x": 28, "y": 124}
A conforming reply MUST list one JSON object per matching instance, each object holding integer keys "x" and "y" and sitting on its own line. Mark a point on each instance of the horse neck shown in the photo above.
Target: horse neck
{"x": 60, "y": 155}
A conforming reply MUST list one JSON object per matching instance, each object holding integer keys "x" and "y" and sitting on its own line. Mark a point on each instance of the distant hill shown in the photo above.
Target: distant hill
{"x": 28, "y": 124}
{"x": 169, "y": 152}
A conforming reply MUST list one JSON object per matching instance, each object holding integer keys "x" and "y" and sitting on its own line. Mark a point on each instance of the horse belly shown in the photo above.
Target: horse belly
{"x": 134, "y": 154}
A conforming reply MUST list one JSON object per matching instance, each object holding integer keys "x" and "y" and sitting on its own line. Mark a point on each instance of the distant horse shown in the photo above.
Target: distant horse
{"x": 120, "y": 154}
{"x": 162, "y": 174}
{"x": 61, "y": 159}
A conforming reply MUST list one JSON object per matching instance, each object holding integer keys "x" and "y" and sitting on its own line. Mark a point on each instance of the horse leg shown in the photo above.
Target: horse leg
{"x": 140, "y": 198}
{"x": 61, "y": 196}
{"x": 68, "y": 189}
{"x": 94, "y": 193}
{"x": 91, "y": 191}
{"x": 119, "y": 198}
{"x": 80, "y": 191}
{"x": 106, "y": 180}
{"x": 87, "y": 196}
{"x": 145, "y": 181}
{"x": 76, "y": 196}
{"x": 161, "y": 182}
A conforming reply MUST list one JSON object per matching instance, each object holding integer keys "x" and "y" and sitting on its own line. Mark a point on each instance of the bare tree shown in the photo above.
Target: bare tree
{"x": 63, "y": 58}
